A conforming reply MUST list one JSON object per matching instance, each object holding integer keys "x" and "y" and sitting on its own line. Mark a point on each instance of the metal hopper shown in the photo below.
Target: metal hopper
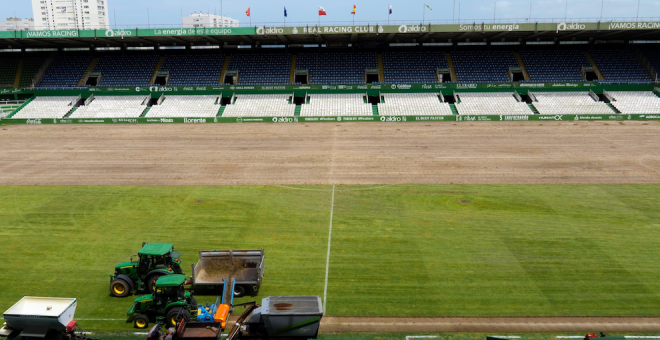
{"x": 288, "y": 317}
{"x": 36, "y": 316}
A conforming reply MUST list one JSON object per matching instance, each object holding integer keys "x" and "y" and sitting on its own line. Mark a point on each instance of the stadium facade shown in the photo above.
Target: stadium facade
{"x": 476, "y": 71}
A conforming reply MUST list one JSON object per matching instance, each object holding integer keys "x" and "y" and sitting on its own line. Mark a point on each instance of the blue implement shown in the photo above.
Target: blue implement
{"x": 207, "y": 313}
{"x": 228, "y": 291}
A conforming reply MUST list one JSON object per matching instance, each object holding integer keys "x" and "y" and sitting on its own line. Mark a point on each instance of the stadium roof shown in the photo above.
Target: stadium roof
{"x": 312, "y": 34}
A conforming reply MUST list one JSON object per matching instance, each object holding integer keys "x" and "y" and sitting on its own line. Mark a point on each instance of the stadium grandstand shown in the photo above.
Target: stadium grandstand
{"x": 527, "y": 69}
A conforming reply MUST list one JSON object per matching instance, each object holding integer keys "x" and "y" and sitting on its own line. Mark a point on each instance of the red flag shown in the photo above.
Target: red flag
{"x": 354, "y": 8}
{"x": 322, "y": 11}
{"x": 247, "y": 12}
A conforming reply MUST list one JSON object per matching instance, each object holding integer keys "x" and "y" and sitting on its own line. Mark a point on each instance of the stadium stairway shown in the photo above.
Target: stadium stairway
{"x": 453, "y": 109}
{"x": 292, "y": 76}
{"x": 452, "y": 72}
{"x": 593, "y": 63}
{"x": 146, "y": 110}
{"x": 646, "y": 64}
{"x": 381, "y": 69}
{"x": 68, "y": 114}
{"x": 374, "y": 109}
{"x": 85, "y": 76}
{"x": 21, "y": 107}
{"x": 297, "y": 111}
{"x": 225, "y": 66}
{"x": 522, "y": 65}
{"x": 19, "y": 71}
{"x": 613, "y": 108}
{"x": 158, "y": 66}
{"x": 531, "y": 107}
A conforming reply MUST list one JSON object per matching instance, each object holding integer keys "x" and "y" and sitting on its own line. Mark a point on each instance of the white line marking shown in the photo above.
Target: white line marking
{"x": 570, "y": 337}
{"x": 323, "y": 190}
{"x": 408, "y": 337}
{"x": 506, "y": 336}
{"x": 86, "y": 333}
{"x": 327, "y": 260}
{"x": 101, "y": 319}
{"x": 141, "y": 333}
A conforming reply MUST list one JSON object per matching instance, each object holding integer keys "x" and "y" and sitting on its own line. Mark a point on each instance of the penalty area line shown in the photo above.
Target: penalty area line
{"x": 327, "y": 260}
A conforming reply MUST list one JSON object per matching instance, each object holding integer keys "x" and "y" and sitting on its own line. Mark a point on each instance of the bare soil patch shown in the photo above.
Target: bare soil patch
{"x": 346, "y": 153}
{"x": 488, "y": 324}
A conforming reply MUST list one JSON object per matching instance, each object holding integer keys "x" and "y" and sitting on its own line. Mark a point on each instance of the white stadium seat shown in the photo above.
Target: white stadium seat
{"x": 569, "y": 103}
{"x": 336, "y": 105}
{"x": 186, "y": 106}
{"x": 113, "y": 107}
{"x": 47, "y": 107}
{"x": 498, "y": 103}
{"x": 260, "y": 105}
{"x": 635, "y": 102}
{"x": 407, "y": 104}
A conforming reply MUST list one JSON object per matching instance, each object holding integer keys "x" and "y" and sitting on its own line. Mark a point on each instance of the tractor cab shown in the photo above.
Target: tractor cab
{"x": 168, "y": 304}
{"x": 153, "y": 261}
{"x": 170, "y": 288}
{"x": 158, "y": 256}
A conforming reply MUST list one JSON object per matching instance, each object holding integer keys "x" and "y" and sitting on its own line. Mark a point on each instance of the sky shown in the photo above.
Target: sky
{"x": 129, "y": 13}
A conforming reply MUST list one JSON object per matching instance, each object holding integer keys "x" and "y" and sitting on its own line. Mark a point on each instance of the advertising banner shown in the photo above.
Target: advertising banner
{"x": 335, "y": 119}
{"x": 330, "y": 30}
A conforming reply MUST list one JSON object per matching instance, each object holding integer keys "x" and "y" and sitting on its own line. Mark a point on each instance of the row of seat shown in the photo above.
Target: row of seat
{"x": 186, "y": 106}
{"x": 635, "y": 102}
{"x": 334, "y": 68}
{"x": 352, "y": 104}
{"x": 408, "y": 104}
{"x": 47, "y": 107}
{"x": 469, "y": 103}
{"x": 569, "y": 103}
{"x": 500, "y": 103}
{"x": 261, "y": 105}
{"x": 113, "y": 107}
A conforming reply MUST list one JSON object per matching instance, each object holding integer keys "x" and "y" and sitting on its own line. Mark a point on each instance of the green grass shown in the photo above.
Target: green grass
{"x": 410, "y": 250}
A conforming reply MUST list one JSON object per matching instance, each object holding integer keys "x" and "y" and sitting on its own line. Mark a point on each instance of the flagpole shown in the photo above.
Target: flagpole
{"x": 424, "y": 15}
{"x": 388, "y": 14}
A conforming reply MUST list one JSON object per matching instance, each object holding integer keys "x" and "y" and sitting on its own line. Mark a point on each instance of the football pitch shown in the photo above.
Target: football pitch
{"x": 402, "y": 250}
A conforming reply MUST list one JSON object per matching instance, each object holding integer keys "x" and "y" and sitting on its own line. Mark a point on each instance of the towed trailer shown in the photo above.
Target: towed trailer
{"x": 279, "y": 317}
{"x": 42, "y": 318}
{"x": 214, "y": 267}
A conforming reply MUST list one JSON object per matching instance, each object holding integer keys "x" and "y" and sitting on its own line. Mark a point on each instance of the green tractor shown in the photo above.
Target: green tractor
{"x": 168, "y": 304}
{"x": 154, "y": 260}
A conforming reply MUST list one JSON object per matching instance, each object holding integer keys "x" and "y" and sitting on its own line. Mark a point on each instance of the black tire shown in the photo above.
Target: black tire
{"x": 239, "y": 291}
{"x": 141, "y": 322}
{"x": 151, "y": 282}
{"x": 193, "y": 302}
{"x": 170, "y": 318}
{"x": 177, "y": 270}
{"x": 120, "y": 288}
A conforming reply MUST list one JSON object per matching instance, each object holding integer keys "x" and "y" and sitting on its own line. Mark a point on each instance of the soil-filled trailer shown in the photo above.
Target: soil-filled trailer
{"x": 215, "y": 266}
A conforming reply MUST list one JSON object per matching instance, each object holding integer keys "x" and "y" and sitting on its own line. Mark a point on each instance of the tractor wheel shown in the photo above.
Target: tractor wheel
{"x": 193, "y": 302}
{"x": 151, "y": 282}
{"x": 239, "y": 291}
{"x": 172, "y": 319}
{"x": 120, "y": 288}
{"x": 141, "y": 321}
